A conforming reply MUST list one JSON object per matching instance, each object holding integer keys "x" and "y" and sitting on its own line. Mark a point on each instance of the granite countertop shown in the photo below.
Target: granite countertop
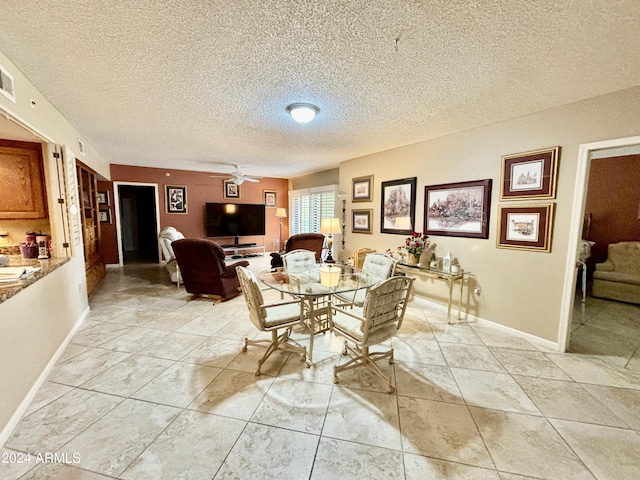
{"x": 9, "y": 289}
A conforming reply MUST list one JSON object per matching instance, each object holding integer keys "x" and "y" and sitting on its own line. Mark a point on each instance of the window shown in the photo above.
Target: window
{"x": 307, "y": 207}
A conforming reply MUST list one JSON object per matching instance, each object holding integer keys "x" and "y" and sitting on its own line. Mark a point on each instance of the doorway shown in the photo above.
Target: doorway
{"x": 609, "y": 148}
{"x": 137, "y": 223}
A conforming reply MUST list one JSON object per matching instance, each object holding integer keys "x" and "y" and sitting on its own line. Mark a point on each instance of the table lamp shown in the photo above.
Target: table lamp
{"x": 330, "y": 275}
{"x": 280, "y": 213}
{"x": 330, "y": 226}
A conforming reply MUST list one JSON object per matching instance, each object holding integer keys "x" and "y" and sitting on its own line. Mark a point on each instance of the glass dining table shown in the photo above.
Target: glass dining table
{"x": 316, "y": 288}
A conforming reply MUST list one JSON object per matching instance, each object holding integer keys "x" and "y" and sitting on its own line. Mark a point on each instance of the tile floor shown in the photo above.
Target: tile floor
{"x": 154, "y": 386}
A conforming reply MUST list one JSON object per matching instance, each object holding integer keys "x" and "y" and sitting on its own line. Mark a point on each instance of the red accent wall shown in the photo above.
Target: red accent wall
{"x": 613, "y": 200}
{"x": 201, "y": 188}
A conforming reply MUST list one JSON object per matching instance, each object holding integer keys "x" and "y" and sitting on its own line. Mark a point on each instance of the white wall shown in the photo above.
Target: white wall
{"x": 35, "y": 322}
{"x": 519, "y": 289}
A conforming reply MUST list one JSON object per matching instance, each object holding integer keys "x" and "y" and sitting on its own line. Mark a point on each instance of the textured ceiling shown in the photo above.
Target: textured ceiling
{"x": 199, "y": 84}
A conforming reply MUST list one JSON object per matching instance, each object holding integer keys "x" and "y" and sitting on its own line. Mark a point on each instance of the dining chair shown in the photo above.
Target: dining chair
{"x": 376, "y": 265}
{"x": 379, "y": 320}
{"x": 305, "y": 241}
{"x": 270, "y": 318}
{"x": 298, "y": 261}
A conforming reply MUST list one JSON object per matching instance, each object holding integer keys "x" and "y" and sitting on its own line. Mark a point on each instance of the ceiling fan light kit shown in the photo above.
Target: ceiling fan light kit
{"x": 302, "y": 112}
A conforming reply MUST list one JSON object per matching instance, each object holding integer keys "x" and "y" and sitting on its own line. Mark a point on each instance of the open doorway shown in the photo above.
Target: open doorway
{"x": 601, "y": 342}
{"x": 137, "y": 223}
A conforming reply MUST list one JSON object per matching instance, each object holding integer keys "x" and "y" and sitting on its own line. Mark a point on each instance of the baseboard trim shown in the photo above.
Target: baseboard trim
{"x": 468, "y": 318}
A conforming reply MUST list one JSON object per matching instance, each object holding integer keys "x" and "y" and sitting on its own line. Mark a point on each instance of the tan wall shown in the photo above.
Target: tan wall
{"x": 519, "y": 289}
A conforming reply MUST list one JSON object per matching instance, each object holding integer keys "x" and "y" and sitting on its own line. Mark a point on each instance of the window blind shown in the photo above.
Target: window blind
{"x": 308, "y": 207}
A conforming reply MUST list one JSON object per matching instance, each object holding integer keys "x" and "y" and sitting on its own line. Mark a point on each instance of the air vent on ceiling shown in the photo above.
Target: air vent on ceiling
{"x": 6, "y": 85}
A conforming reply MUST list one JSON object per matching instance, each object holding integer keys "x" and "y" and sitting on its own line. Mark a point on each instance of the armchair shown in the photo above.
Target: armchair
{"x": 618, "y": 278}
{"x": 305, "y": 241}
{"x": 203, "y": 269}
{"x": 270, "y": 318}
{"x": 166, "y": 236}
{"x": 379, "y": 320}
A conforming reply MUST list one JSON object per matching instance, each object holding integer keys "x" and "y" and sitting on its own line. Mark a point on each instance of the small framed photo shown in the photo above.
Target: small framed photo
{"x": 526, "y": 227}
{"x": 398, "y": 207}
{"x": 530, "y": 174}
{"x": 103, "y": 198}
{"x": 361, "y": 221}
{"x": 104, "y": 216}
{"x": 362, "y": 189}
{"x": 176, "y": 199}
{"x": 458, "y": 209}
{"x": 231, "y": 190}
{"x": 270, "y": 198}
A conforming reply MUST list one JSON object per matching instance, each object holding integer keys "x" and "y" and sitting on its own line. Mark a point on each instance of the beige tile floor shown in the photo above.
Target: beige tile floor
{"x": 154, "y": 386}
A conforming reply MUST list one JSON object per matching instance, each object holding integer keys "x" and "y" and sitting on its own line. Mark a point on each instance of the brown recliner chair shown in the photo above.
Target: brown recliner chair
{"x": 303, "y": 241}
{"x": 203, "y": 269}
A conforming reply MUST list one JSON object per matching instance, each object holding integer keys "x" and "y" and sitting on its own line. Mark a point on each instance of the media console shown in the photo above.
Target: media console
{"x": 235, "y": 249}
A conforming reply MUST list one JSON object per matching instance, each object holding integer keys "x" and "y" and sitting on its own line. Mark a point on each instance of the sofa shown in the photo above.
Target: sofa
{"x": 618, "y": 278}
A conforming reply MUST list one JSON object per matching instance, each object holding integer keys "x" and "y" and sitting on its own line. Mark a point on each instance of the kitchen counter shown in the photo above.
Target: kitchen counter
{"x": 9, "y": 289}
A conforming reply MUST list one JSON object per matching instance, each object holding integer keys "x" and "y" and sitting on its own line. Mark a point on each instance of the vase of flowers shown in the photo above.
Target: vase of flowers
{"x": 414, "y": 245}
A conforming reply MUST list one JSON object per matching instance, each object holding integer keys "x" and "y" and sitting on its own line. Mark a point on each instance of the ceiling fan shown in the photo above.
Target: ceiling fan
{"x": 238, "y": 177}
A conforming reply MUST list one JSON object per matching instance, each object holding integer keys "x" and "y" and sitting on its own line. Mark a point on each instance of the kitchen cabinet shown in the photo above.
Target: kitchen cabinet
{"x": 22, "y": 187}
{"x": 89, "y": 215}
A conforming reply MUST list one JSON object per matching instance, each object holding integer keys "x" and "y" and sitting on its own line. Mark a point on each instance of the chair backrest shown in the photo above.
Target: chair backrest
{"x": 379, "y": 265}
{"x": 199, "y": 259}
{"x": 359, "y": 256}
{"x": 384, "y": 308}
{"x": 625, "y": 257}
{"x": 306, "y": 241}
{"x": 252, "y": 295}
{"x": 166, "y": 236}
{"x": 299, "y": 261}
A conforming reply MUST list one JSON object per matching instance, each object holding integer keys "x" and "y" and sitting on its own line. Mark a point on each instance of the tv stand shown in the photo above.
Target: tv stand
{"x": 248, "y": 249}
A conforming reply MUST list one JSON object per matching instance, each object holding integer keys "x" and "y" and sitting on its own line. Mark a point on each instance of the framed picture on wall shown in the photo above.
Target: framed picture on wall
{"x": 105, "y": 216}
{"x": 361, "y": 221}
{"x": 526, "y": 227}
{"x": 458, "y": 209}
{"x": 176, "y": 199}
{"x": 362, "y": 189}
{"x": 103, "y": 198}
{"x": 270, "y": 198}
{"x": 231, "y": 190}
{"x": 398, "y": 206}
{"x": 530, "y": 174}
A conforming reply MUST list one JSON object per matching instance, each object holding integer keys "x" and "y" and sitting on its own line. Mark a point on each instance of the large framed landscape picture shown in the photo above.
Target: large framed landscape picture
{"x": 458, "y": 209}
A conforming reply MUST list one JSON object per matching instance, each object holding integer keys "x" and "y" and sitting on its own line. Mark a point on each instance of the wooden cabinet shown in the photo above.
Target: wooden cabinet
{"x": 89, "y": 214}
{"x": 22, "y": 191}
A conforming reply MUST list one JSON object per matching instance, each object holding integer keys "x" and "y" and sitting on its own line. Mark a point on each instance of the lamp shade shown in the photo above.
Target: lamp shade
{"x": 281, "y": 212}
{"x": 403, "y": 223}
{"x": 330, "y": 276}
{"x": 330, "y": 226}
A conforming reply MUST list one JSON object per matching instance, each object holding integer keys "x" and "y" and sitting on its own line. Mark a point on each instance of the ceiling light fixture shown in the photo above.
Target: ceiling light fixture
{"x": 302, "y": 112}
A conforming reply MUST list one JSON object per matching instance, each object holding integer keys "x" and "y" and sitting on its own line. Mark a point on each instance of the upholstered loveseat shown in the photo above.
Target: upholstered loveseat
{"x": 618, "y": 278}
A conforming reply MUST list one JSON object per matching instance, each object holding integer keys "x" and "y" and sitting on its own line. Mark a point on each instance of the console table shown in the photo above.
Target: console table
{"x": 235, "y": 250}
{"x": 450, "y": 278}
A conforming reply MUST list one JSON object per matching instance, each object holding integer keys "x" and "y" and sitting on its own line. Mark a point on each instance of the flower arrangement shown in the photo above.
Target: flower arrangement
{"x": 416, "y": 244}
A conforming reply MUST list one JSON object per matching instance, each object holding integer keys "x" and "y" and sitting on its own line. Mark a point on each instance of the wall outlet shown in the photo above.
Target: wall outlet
{"x": 476, "y": 289}
{"x": 80, "y": 288}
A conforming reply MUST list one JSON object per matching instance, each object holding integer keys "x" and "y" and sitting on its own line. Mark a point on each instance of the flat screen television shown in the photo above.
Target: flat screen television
{"x": 234, "y": 220}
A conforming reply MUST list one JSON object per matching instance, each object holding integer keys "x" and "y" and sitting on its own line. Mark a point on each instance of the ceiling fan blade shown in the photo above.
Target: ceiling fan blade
{"x": 251, "y": 179}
